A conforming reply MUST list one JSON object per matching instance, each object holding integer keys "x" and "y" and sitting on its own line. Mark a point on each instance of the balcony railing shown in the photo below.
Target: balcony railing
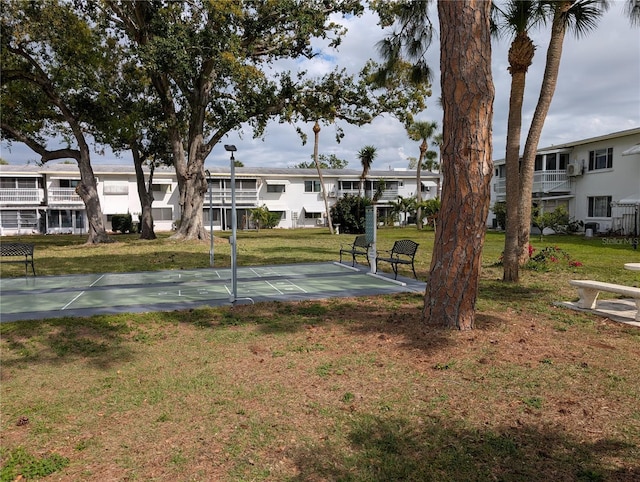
{"x": 223, "y": 196}
{"x": 543, "y": 182}
{"x": 63, "y": 195}
{"x": 387, "y": 195}
{"x": 23, "y": 196}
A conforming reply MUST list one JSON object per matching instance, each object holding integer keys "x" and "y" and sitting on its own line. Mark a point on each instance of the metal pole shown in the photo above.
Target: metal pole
{"x": 210, "y": 217}
{"x": 234, "y": 228}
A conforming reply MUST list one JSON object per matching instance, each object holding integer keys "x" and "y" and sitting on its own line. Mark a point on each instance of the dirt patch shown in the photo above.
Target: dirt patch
{"x": 348, "y": 389}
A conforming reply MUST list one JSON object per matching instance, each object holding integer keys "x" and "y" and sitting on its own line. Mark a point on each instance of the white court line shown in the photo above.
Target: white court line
{"x": 274, "y": 287}
{"x": 92, "y": 284}
{"x": 293, "y": 284}
{"x": 256, "y": 273}
{"x": 70, "y": 302}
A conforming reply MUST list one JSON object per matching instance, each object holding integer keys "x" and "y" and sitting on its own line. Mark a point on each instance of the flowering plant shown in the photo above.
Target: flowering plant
{"x": 548, "y": 257}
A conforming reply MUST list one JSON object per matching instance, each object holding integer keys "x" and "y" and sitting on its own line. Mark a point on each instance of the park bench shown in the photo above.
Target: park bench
{"x": 13, "y": 250}
{"x": 588, "y": 291}
{"x": 359, "y": 247}
{"x": 403, "y": 252}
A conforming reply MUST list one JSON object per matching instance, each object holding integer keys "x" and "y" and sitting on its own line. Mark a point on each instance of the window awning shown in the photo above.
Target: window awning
{"x": 278, "y": 207}
{"x": 632, "y": 150}
{"x": 277, "y": 182}
{"x": 429, "y": 183}
{"x": 556, "y": 198}
{"x": 313, "y": 209}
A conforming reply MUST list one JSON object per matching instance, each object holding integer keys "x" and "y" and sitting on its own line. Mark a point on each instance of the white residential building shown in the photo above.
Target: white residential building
{"x": 42, "y": 199}
{"x": 597, "y": 179}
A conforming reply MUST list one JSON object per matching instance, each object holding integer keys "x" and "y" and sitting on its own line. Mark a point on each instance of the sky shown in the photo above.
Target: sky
{"x": 598, "y": 93}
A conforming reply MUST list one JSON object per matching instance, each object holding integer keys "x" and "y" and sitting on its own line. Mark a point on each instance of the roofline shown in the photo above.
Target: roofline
{"x": 568, "y": 145}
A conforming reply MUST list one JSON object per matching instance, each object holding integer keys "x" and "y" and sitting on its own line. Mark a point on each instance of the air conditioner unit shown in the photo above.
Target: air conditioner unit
{"x": 332, "y": 193}
{"x": 574, "y": 169}
{"x": 320, "y": 222}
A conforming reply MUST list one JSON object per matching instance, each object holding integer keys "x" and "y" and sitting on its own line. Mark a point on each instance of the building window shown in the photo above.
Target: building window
{"x": 550, "y": 162}
{"x": 601, "y": 159}
{"x": 61, "y": 218}
{"x": 599, "y": 207}
{"x": 308, "y": 215}
{"x": 162, "y": 214}
{"x": 275, "y": 188}
{"x": 19, "y": 219}
{"x": 564, "y": 161}
{"x": 161, "y": 188}
{"x": 69, "y": 183}
{"x": 349, "y": 185}
{"x": 312, "y": 186}
{"x": 116, "y": 187}
{"x": 538, "y": 163}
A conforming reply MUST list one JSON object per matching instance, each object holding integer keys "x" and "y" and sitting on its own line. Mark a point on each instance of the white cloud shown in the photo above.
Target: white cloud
{"x": 597, "y": 93}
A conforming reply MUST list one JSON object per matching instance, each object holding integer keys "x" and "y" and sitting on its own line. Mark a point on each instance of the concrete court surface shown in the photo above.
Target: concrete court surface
{"x": 41, "y": 297}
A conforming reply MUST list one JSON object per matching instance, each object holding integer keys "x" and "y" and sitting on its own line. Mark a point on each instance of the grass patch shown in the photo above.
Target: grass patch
{"x": 344, "y": 389}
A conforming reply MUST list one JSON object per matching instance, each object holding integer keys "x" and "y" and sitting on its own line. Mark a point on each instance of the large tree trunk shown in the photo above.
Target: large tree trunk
{"x": 88, "y": 192}
{"x": 467, "y": 98}
{"x": 549, "y": 82}
{"x": 520, "y": 58}
{"x": 145, "y": 193}
{"x": 193, "y": 186}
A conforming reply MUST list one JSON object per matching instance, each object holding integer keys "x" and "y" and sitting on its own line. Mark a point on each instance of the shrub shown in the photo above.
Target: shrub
{"x": 550, "y": 257}
{"x": 122, "y": 223}
{"x": 500, "y": 210}
{"x": 349, "y": 213}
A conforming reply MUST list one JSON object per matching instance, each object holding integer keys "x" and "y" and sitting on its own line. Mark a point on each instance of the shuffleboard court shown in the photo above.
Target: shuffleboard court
{"x": 85, "y": 295}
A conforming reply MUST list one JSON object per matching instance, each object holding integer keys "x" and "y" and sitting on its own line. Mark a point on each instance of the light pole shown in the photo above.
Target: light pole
{"x": 210, "y": 189}
{"x": 234, "y": 267}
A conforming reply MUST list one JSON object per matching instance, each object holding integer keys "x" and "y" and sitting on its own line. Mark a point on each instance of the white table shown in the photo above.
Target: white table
{"x": 632, "y": 266}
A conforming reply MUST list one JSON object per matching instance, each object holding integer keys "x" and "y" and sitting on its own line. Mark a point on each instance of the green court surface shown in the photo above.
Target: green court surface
{"x": 84, "y": 295}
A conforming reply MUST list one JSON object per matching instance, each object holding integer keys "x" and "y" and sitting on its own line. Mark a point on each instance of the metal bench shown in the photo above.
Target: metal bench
{"x": 359, "y": 247}
{"x": 403, "y": 252}
{"x": 9, "y": 250}
{"x": 589, "y": 290}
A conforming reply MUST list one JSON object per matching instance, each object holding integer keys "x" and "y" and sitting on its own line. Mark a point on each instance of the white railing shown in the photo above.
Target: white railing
{"x": 543, "y": 181}
{"x": 26, "y": 195}
{"x": 223, "y": 196}
{"x": 387, "y": 195}
{"x": 547, "y": 181}
{"x": 63, "y": 195}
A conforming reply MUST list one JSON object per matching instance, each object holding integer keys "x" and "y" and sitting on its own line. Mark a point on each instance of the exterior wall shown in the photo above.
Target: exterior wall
{"x": 620, "y": 181}
{"x": 50, "y": 205}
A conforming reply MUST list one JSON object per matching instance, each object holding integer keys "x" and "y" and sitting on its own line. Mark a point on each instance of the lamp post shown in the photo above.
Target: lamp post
{"x": 234, "y": 267}
{"x": 210, "y": 189}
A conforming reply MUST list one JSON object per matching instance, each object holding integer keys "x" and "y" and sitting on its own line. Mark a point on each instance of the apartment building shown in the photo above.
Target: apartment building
{"x": 42, "y": 199}
{"x": 596, "y": 179}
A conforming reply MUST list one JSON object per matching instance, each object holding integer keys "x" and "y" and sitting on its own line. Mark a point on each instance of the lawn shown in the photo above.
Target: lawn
{"x": 350, "y": 389}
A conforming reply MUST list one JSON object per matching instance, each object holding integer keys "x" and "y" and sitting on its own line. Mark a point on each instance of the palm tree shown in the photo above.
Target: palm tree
{"x": 316, "y": 132}
{"x": 438, "y": 141}
{"x": 580, "y": 16}
{"x": 516, "y": 18}
{"x": 421, "y": 131}
{"x": 403, "y": 205}
{"x": 366, "y": 155}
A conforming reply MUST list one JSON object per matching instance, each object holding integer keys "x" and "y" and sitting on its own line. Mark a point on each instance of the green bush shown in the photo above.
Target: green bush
{"x": 122, "y": 223}
{"x": 263, "y": 218}
{"x": 349, "y": 213}
{"x": 500, "y": 210}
